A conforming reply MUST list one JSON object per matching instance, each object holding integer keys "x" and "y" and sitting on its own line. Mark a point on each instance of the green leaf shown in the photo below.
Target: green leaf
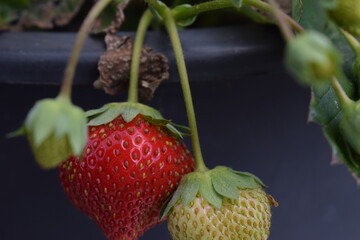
{"x": 324, "y": 107}
{"x": 237, "y": 3}
{"x": 297, "y": 8}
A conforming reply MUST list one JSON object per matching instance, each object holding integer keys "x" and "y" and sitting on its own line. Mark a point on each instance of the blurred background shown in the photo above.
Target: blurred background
{"x": 252, "y": 116}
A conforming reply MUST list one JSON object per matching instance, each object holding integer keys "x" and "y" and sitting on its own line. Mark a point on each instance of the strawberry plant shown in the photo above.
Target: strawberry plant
{"x": 126, "y": 167}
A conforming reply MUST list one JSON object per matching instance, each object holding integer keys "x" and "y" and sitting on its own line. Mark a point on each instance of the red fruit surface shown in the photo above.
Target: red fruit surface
{"x": 125, "y": 176}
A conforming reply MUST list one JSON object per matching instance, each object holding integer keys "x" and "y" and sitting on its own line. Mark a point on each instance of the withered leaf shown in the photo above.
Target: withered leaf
{"x": 111, "y": 19}
{"x": 114, "y": 67}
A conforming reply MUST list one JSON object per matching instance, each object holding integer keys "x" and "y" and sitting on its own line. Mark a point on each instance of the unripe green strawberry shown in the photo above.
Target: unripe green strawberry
{"x": 55, "y": 129}
{"x": 247, "y": 217}
{"x": 347, "y": 14}
{"x": 219, "y": 204}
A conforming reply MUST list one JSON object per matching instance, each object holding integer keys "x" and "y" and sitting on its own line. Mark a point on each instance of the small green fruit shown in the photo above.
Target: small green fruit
{"x": 247, "y": 217}
{"x": 55, "y": 129}
{"x": 312, "y": 58}
{"x": 347, "y": 14}
{"x": 219, "y": 204}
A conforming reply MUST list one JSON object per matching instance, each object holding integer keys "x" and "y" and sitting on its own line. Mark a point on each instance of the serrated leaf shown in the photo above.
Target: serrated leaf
{"x": 297, "y": 9}
{"x": 324, "y": 107}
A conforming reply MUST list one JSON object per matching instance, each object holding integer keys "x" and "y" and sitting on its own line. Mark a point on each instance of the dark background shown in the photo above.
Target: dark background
{"x": 254, "y": 122}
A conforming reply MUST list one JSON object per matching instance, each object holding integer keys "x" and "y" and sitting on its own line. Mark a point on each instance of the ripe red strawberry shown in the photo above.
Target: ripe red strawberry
{"x": 128, "y": 170}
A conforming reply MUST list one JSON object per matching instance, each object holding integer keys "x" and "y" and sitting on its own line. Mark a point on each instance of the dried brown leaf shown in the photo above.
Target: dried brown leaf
{"x": 114, "y": 67}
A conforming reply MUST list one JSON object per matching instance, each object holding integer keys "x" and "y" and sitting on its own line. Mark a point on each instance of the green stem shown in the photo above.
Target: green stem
{"x": 220, "y": 4}
{"x": 340, "y": 93}
{"x": 353, "y": 42}
{"x": 282, "y": 22}
{"x": 136, "y": 55}
{"x": 184, "y": 80}
{"x": 65, "y": 90}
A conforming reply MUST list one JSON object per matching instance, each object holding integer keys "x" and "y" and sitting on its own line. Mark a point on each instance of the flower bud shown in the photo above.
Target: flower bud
{"x": 312, "y": 58}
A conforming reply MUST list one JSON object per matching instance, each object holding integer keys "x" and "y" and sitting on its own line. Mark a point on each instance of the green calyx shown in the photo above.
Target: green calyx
{"x": 312, "y": 58}
{"x": 213, "y": 185}
{"x": 128, "y": 111}
{"x": 55, "y": 129}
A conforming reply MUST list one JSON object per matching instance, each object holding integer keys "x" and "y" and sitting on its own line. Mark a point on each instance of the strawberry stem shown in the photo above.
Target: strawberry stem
{"x": 283, "y": 24}
{"x": 268, "y": 8}
{"x": 340, "y": 93}
{"x": 219, "y": 4}
{"x": 65, "y": 90}
{"x": 184, "y": 80}
{"x": 136, "y": 55}
{"x": 353, "y": 42}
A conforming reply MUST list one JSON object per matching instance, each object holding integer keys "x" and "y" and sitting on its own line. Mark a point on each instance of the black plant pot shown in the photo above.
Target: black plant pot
{"x": 252, "y": 116}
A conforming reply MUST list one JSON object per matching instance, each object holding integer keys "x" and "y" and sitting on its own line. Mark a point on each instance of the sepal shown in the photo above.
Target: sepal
{"x": 214, "y": 185}
{"x": 129, "y": 111}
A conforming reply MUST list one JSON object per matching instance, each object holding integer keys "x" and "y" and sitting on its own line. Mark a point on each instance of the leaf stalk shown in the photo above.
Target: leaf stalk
{"x": 99, "y": 6}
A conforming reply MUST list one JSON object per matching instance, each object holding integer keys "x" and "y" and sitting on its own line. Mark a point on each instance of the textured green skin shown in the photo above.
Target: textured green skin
{"x": 51, "y": 152}
{"x": 246, "y": 218}
{"x": 347, "y": 14}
